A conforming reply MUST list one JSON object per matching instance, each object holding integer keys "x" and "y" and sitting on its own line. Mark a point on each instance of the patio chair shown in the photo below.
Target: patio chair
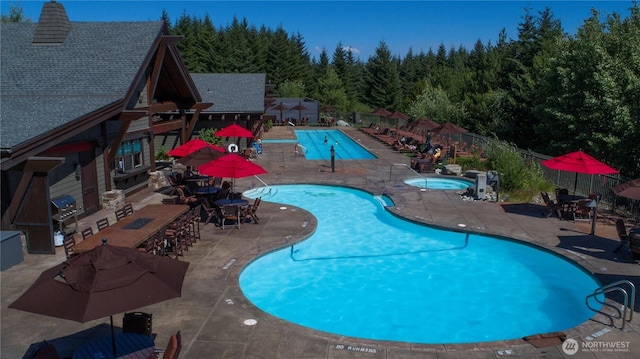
{"x": 622, "y": 234}
{"x": 138, "y": 323}
{"x": 86, "y": 233}
{"x": 120, "y": 214}
{"x": 172, "y": 350}
{"x": 128, "y": 209}
{"x": 194, "y": 223}
{"x": 553, "y": 207}
{"x": 582, "y": 211}
{"x": 102, "y": 223}
{"x": 209, "y": 210}
{"x": 250, "y": 211}
{"x": 68, "y": 242}
{"x": 230, "y": 214}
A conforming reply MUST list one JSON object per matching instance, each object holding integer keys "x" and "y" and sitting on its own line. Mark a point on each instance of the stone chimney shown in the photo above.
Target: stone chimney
{"x": 53, "y": 25}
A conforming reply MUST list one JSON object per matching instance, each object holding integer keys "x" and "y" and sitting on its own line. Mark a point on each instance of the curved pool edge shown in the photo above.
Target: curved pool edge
{"x": 574, "y": 332}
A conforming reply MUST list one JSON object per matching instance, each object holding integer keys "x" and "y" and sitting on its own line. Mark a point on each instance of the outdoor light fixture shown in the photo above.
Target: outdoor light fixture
{"x": 593, "y": 205}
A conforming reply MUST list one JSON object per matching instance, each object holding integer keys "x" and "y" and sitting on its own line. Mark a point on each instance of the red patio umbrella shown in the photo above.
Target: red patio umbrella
{"x": 629, "y": 189}
{"x": 578, "y": 162}
{"x": 234, "y": 130}
{"x": 231, "y": 166}
{"x": 190, "y": 146}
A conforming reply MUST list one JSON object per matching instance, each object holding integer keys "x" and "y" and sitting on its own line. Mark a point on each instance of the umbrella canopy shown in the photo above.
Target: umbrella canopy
{"x": 201, "y": 156}
{"x": 629, "y": 189}
{"x": 381, "y": 112}
{"x": 397, "y": 115}
{"x": 281, "y": 108}
{"x": 234, "y": 130}
{"x": 327, "y": 108}
{"x": 231, "y": 166}
{"x": 449, "y": 128}
{"x": 190, "y": 146}
{"x": 300, "y": 108}
{"x": 425, "y": 123}
{"x": 578, "y": 162}
{"x": 101, "y": 282}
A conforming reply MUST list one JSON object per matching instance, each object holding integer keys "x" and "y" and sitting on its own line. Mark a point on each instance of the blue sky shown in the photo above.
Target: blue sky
{"x": 360, "y": 25}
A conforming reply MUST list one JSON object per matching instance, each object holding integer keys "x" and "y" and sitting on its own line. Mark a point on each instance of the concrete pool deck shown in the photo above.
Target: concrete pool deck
{"x": 212, "y": 310}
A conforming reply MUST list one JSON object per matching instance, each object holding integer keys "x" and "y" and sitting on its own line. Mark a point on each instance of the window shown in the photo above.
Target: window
{"x": 129, "y": 156}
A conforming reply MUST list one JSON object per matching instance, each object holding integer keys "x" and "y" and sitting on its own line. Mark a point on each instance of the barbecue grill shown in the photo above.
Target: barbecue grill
{"x": 65, "y": 213}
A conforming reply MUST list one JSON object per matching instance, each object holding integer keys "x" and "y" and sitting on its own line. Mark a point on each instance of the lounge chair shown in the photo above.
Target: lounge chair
{"x": 622, "y": 234}
{"x": 552, "y": 206}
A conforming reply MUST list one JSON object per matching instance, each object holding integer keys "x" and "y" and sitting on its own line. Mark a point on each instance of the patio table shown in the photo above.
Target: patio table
{"x": 207, "y": 190}
{"x": 135, "y": 229}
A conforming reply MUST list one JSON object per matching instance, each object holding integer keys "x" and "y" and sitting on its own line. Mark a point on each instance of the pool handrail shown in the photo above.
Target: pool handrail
{"x": 629, "y": 299}
{"x": 263, "y": 183}
{"x": 409, "y": 167}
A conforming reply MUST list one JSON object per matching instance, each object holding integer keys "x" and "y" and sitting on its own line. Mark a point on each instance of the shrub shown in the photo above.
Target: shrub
{"x": 162, "y": 154}
{"x": 208, "y": 134}
{"x": 521, "y": 178}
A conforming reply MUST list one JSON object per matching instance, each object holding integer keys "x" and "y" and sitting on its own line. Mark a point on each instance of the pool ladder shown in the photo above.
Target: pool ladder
{"x": 629, "y": 299}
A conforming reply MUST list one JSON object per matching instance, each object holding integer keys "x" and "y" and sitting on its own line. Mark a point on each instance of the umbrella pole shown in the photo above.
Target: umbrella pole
{"x": 575, "y": 184}
{"x": 113, "y": 337}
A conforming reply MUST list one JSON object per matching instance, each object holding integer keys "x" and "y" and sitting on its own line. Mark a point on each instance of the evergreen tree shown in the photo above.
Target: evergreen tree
{"x": 382, "y": 80}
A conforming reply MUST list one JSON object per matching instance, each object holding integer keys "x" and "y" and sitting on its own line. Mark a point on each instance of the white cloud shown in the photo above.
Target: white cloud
{"x": 353, "y": 50}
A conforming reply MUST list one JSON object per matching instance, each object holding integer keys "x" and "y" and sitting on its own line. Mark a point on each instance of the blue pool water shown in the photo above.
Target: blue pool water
{"x": 368, "y": 274}
{"x": 439, "y": 182}
{"x": 345, "y": 148}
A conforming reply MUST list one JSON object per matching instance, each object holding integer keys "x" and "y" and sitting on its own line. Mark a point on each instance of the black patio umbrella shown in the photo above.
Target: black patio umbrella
{"x": 104, "y": 281}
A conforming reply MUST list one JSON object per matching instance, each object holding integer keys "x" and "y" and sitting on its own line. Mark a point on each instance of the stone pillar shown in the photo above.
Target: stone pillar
{"x": 113, "y": 199}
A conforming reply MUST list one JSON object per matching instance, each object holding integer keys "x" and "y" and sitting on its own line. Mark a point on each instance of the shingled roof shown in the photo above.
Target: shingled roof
{"x": 232, "y": 93}
{"x": 44, "y": 85}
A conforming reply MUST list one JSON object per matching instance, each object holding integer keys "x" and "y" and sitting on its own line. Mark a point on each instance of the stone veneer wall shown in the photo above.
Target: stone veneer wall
{"x": 113, "y": 199}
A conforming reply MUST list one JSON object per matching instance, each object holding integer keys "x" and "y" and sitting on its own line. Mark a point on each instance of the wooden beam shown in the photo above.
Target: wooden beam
{"x": 162, "y": 107}
{"x": 111, "y": 159}
{"x": 152, "y": 82}
{"x": 164, "y": 127}
{"x": 32, "y": 165}
{"x": 201, "y": 105}
{"x": 192, "y": 123}
{"x": 128, "y": 115}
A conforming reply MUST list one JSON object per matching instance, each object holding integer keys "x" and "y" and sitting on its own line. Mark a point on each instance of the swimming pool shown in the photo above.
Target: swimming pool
{"x": 345, "y": 148}
{"x": 439, "y": 182}
{"x": 366, "y": 273}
